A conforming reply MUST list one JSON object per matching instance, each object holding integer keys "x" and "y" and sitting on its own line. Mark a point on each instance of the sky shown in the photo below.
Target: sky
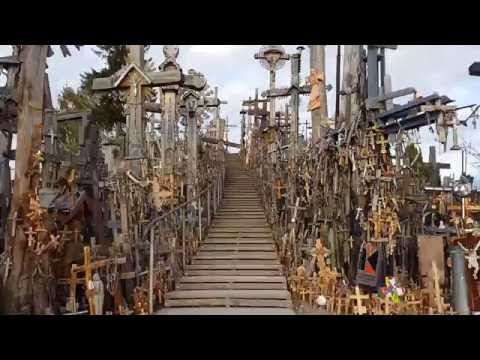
{"x": 427, "y": 68}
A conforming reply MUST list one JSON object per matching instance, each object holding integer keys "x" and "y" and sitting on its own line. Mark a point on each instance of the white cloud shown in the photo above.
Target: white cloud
{"x": 442, "y": 69}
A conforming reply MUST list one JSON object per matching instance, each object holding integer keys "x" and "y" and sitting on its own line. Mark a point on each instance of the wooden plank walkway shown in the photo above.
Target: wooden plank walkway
{"x": 237, "y": 270}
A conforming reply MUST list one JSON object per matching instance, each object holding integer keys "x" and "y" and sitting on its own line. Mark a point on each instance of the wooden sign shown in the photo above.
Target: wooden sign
{"x": 430, "y": 248}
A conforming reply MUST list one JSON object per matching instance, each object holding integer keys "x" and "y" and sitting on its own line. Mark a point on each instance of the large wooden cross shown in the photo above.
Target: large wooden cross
{"x": 260, "y": 115}
{"x": 192, "y": 105}
{"x": 359, "y": 308}
{"x": 435, "y": 167}
{"x": 87, "y": 268}
{"x": 294, "y": 91}
{"x": 134, "y": 77}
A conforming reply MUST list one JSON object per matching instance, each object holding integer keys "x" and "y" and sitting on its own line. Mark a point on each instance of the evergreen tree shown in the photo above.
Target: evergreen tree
{"x": 107, "y": 108}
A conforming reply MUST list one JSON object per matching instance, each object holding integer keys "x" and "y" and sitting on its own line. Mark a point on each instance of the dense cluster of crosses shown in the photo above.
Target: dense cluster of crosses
{"x": 74, "y": 227}
{"x": 359, "y": 186}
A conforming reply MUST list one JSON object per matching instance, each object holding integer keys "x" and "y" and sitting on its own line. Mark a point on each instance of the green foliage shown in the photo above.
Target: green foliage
{"x": 107, "y": 108}
{"x": 412, "y": 152}
{"x": 70, "y": 99}
{"x": 421, "y": 171}
{"x": 68, "y": 134}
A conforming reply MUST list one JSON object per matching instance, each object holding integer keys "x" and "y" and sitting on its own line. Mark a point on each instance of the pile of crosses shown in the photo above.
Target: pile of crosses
{"x": 360, "y": 186}
{"x": 79, "y": 233}
{"x": 326, "y": 291}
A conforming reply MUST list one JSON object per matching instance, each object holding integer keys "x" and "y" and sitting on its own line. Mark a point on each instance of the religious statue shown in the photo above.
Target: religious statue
{"x": 472, "y": 258}
{"x": 99, "y": 296}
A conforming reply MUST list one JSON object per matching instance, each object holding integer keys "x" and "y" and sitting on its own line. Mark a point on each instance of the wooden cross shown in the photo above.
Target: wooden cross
{"x": 343, "y": 303}
{"x": 434, "y": 167}
{"x": 295, "y": 209}
{"x": 87, "y": 268}
{"x": 278, "y": 187}
{"x": 359, "y": 309}
{"x": 382, "y": 142}
{"x": 65, "y": 233}
{"x": 320, "y": 252}
{"x": 135, "y": 77}
{"x": 412, "y": 303}
{"x": 31, "y": 237}
{"x": 387, "y": 305}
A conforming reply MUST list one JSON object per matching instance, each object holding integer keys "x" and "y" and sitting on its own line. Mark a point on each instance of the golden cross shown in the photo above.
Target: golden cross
{"x": 278, "y": 187}
{"x": 359, "y": 309}
{"x": 31, "y": 237}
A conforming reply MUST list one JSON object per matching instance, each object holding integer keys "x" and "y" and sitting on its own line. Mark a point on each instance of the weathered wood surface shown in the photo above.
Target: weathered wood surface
{"x": 243, "y": 241}
{"x": 234, "y": 261}
{"x": 232, "y": 286}
{"x": 225, "y": 311}
{"x": 237, "y": 266}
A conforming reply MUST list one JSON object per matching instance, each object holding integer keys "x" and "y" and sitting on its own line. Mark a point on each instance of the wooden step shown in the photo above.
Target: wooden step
{"x": 238, "y": 235}
{"x": 242, "y": 209}
{"x": 228, "y": 303}
{"x": 230, "y": 247}
{"x": 231, "y": 286}
{"x": 235, "y": 262}
{"x": 231, "y": 266}
{"x": 234, "y": 272}
{"x": 225, "y": 311}
{"x": 239, "y": 228}
{"x": 220, "y": 255}
{"x": 232, "y": 279}
{"x": 239, "y": 212}
{"x": 232, "y": 294}
{"x": 239, "y": 216}
{"x": 256, "y": 218}
{"x": 242, "y": 241}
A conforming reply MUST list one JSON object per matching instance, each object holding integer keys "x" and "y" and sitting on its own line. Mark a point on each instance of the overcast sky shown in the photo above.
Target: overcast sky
{"x": 428, "y": 68}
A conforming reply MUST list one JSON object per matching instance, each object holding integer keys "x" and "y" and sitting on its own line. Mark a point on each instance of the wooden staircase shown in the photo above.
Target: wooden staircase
{"x": 237, "y": 269}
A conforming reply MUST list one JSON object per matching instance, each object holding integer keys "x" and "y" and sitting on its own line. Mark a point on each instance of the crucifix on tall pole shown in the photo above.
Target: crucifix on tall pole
{"x": 294, "y": 91}
{"x": 272, "y": 58}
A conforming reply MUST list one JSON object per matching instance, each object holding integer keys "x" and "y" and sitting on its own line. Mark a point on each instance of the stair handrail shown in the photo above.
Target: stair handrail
{"x": 214, "y": 194}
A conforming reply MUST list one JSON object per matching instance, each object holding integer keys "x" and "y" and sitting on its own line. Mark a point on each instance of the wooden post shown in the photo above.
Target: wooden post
{"x": 191, "y": 102}
{"x": 30, "y": 93}
{"x": 183, "y": 241}
{"x": 169, "y": 122}
{"x": 208, "y": 206}
{"x": 319, "y": 116}
{"x": 71, "y": 301}
{"x": 215, "y": 196}
{"x": 135, "y": 114}
{"x": 88, "y": 280}
{"x": 351, "y": 68}
{"x": 150, "y": 273}
{"x": 200, "y": 218}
